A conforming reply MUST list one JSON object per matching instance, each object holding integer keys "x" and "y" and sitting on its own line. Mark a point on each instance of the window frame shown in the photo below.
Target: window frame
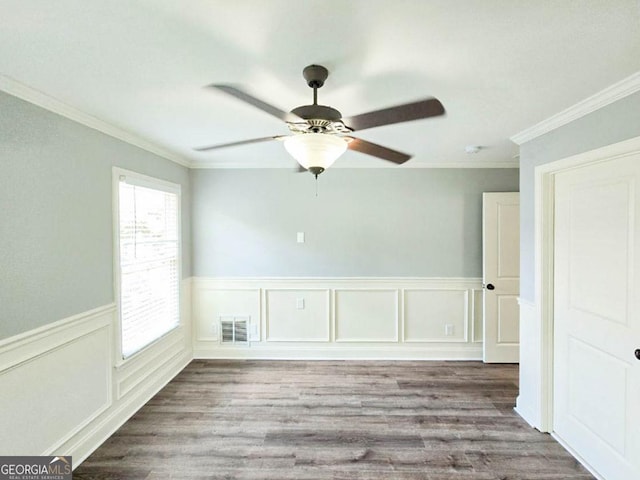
{"x": 147, "y": 181}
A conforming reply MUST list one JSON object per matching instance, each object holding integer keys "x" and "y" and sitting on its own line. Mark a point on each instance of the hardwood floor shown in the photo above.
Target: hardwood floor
{"x": 284, "y": 420}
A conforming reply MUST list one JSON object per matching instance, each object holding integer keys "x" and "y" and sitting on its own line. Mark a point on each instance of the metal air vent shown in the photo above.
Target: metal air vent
{"x": 234, "y": 330}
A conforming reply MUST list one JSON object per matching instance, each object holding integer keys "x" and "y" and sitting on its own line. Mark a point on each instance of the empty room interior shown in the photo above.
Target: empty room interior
{"x": 296, "y": 240}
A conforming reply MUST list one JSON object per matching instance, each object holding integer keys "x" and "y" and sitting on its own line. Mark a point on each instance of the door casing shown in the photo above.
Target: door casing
{"x": 544, "y": 254}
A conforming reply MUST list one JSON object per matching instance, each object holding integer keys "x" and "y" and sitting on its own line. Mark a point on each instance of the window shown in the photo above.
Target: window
{"x": 148, "y": 260}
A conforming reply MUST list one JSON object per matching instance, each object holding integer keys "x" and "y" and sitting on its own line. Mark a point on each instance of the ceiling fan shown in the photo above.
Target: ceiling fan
{"x": 321, "y": 134}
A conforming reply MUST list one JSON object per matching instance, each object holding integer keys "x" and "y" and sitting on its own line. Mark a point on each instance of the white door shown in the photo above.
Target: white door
{"x": 501, "y": 276}
{"x": 596, "y": 315}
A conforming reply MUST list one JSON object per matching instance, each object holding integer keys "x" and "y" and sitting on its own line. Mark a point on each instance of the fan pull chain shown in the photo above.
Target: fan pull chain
{"x": 316, "y": 186}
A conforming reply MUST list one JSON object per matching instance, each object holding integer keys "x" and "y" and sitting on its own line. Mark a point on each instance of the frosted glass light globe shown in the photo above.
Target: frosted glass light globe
{"x": 315, "y": 149}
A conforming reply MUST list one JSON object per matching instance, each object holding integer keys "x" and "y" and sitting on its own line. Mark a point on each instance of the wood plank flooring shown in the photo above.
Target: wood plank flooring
{"x": 342, "y": 420}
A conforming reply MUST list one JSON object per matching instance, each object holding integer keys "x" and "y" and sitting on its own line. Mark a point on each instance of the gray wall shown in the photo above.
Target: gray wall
{"x": 56, "y": 255}
{"x": 364, "y": 222}
{"x": 613, "y": 123}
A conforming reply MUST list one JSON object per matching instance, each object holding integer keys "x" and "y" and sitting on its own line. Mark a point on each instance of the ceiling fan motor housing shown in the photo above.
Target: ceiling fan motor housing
{"x": 319, "y": 112}
{"x": 315, "y": 75}
{"x": 318, "y": 119}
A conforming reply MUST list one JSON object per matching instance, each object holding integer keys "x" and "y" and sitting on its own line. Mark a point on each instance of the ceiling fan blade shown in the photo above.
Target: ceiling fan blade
{"x": 300, "y": 169}
{"x": 251, "y": 100}
{"x": 379, "y": 151}
{"x": 400, "y": 113}
{"x": 233, "y": 144}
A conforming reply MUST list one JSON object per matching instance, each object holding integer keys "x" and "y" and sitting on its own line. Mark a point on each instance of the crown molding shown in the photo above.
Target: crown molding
{"x": 468, "y": 164}
{"x": 248, "y": 165}
{"x": 41, "y": 99}
{"x": 617, "y": 91}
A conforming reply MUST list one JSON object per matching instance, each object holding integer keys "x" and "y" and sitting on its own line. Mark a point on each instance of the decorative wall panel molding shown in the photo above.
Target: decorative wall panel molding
{"x": 366, "y": 315}
{"x": 41, "y": 375}
{"x": 307, "y": 318}
{"x": 64, "y": 392}
{"x": 298, "y": 315}
{"x": 211, "y": 302}
{"x": 436, "y": 315}
{"x": 477, "y": 313}
{"x": 381, "y": 317}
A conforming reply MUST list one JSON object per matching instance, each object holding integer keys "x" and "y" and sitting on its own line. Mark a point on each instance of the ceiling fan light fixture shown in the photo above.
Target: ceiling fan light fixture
{"x": 315, "y": 150}
{"x": 321, "y": 135}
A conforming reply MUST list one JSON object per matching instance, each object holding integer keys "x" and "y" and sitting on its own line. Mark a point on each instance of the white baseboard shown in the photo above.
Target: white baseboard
{"x": 528, "y": 404}
{"x": 578, "y": 457}
{"x": 522, "y": 409}
{"x": 81, "y": 446}
{"x": 469, "y": 352}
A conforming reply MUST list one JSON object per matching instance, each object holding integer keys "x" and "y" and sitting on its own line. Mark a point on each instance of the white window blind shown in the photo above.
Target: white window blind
{"x": 149, "y": 262}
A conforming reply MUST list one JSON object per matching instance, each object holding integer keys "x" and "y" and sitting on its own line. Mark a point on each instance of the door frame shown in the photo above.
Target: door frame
{"x": 544, "y": 205}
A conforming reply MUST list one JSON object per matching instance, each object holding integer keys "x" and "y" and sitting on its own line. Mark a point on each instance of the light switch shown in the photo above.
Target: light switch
{"x": 300, "y": 303}
{"x": 448, "y": 330}
{"x": 300, "y": 237}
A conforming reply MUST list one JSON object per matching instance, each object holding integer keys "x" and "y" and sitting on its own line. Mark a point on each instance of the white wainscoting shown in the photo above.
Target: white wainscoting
{"x": 449, "y": 307}
{"x": 63, "y": 392}
{"x": 54, "y": 382}
{"x": 477, "y": 303}
{"x": 297, "y": 316}
{"x": 366, "y": 315}
{"x": 350, "y": 318}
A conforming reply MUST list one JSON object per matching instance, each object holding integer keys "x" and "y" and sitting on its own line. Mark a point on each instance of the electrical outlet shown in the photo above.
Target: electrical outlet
{"x": 300, "y": 237}
{"x": 448, "y": 330}
{"x": 300, "y": 303}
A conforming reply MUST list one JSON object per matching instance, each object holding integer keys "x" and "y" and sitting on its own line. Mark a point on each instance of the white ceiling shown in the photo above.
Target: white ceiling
{"x": 498, "y": 66}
